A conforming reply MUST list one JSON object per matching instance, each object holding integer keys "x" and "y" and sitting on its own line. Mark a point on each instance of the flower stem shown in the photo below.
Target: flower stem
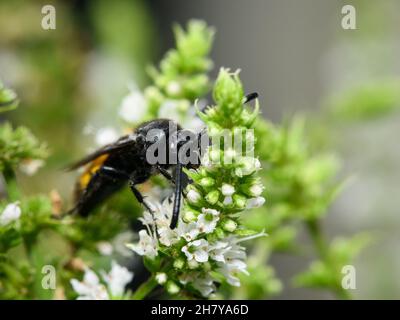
{"x": 322, "y": 250}
{"x": 11, "y": 185}
{"x": 145, "y": 289}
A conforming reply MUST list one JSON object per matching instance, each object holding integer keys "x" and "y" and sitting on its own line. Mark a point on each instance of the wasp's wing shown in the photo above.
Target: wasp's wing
{"x": 121, "y": 143}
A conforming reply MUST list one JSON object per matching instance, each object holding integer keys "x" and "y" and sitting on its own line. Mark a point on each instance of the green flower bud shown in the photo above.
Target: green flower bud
{"x": 193, "y": 195}
{"x": 212, "y": 197}
{"x": 172, "y": 287}
{"x": 229, "y": 225}
{"x": 189, "y": 216}
{"x": 219, "y": 233}
{"x": 193, "y": 264}
{"x": 206, "y": 266}
{"x": 239, "y": 201}
{"x": 228, "y": 88}
{"x": 179, "y": 263}
{"x": 207, "y": 182}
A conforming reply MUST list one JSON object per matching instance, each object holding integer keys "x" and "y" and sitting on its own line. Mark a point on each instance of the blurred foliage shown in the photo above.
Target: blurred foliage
{"x": 18, "y": 145}
{"x": 367, "y": 101}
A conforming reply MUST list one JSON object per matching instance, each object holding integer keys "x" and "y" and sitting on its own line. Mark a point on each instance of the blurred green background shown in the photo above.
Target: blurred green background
{"x": 295, "y": 54}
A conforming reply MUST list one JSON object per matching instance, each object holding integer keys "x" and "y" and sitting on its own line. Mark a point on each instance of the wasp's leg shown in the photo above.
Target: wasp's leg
{"x": 166, "y": 174}
{"x": 115, "y": 173}
{"x": 178, "y": 196}
{"x": 139, "y": 196}
{"x": 141, "y": 200}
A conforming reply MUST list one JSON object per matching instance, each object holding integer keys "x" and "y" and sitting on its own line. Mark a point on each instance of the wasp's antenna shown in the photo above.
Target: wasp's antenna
{"x": 178, "y": 195}
{"x": 251, "y": 96}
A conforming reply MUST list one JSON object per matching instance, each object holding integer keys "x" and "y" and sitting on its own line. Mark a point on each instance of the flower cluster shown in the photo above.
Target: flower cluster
{"x": 205, "y": 247}
{"x": 91, "y": 288}
{"x": 181, "y": 80}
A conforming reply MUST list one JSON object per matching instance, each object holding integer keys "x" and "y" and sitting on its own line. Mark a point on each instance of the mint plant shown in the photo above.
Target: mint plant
{"x": 245, "y": 202}
{"x": 205, "y": 248}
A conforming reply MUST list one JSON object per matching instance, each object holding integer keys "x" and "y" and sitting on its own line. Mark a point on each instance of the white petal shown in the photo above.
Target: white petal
{"x": 90, "y": 277}
{"x": 133, "y": 107}
{"x": 105, "y": 136}
{"x": 201, "y": 256}
{"x": 11, "y": 213}
{"x": 227, "y": 190}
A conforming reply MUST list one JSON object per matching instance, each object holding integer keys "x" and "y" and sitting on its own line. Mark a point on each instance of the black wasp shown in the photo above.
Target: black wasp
{"x": 126, "y": 161}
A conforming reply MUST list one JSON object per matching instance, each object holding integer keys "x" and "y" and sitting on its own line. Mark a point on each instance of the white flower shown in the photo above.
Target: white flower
{"x": 207, "y": 221}
{"x": 248, "y": 165}
{"x": 227, "y": 190}
{"x": 182, "y": 112}
{"x": 193, "y": 123}
{"x": 161, "y": 277}
{"x": 188, "y": 231}
{"x": 228, "y": 201}
{"x": 160, "y": 219}
{"x": 105, "y": 248}
{"x": 171, "y": 109}
{"x": 204, "y": 285}
{"x": 255, "y": 202}
{"x": 218, "y": 250}
{"x": 133, "y": 107}
{"x": 90, "y": 288}
{"x": 234, "y": 257}
{"x": 233, "y": 263}
{"x": 231, "y": 269}
{"x": 197, "y": 250}
{"x": 105, "y": 136}
{"x": 11, "y": 213}
{"x": 120, "y": 241}
{"x": 167, "y": 236}
{"x": 174, "y": 88}
{"x": 256, "y": 190}
{"x": 117, "y": 279}
{"x": 31, "y": 166}
{"x": 147, "y": 245}
{"x": 193, "y": 196}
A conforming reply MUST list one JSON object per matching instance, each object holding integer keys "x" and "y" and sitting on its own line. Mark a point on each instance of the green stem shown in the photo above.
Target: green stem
{"x": 318, "y": 240}
{"x": 322, "y": 249}
{"x": 145, "y": 289}
{"x": 11, "y": 185}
